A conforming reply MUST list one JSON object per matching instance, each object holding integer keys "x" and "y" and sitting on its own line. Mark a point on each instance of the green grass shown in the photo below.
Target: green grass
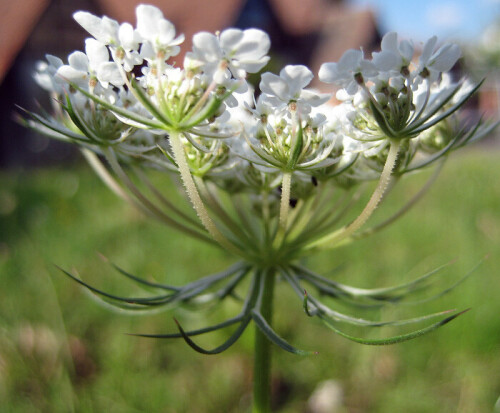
{"x": 61, "y": 351}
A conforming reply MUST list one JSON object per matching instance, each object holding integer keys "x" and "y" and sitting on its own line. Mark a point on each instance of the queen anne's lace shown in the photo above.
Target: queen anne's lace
{"x": 288, "y": 148}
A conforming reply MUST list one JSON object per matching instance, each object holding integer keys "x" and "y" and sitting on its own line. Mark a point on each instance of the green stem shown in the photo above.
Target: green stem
{"x": 262, "y": 361}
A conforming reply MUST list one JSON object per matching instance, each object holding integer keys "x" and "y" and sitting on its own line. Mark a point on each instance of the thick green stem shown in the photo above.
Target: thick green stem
{"x": 262, "y": 361}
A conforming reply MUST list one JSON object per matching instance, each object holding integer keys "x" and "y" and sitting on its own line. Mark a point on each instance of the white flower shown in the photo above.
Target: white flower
{"x": 240, "y": 51}
{"x": 86, "y": 68}
{"x": 432, "y": 63}
{"x": 158, "y": 34}
{"x": 261, "y": 109}
{"x": 394, "y": 56}
{"x": 45, "y": 74}
{"x": 122, "y": 39}
{"x": 280, "y": 91}
{"x": 350, "y": 71}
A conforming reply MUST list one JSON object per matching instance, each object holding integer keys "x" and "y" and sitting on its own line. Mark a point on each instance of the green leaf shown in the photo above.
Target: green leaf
{"x": 143, "y": 281}
{"x": 150, "y": 106}
{"x": 167, "y": 155}
{"x": 193, "y": 142}
{"x": 228, "y": 343}
{"x": 150, "y": 301}
{"x": 275, "y": 338}
{"x": 229, "y": 288}
{"x": 124, "y": 112}
{"x": 395, "y": 339}
{"x": 195, "y": 116}
{"x": 200, "y": 331}
{"x": 51, "y": 125}
{"x": 421, "y": 125}
{"x": 305, "y": 305}
{"x": 448, "y": 289}
{"x": 382, "y": 121}
{"x": 381, "y": 294}
{"x": 80, "y": 123}
{"x": 209, "y": 110}
{"x": 324, "y": 311}
{"x": 435, "y": 156}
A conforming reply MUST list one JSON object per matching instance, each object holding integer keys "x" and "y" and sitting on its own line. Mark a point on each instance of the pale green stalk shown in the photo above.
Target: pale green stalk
{"x": 286, "y": 185}
{"x": 383, "y": 183}
{"x": 194, "y": 196}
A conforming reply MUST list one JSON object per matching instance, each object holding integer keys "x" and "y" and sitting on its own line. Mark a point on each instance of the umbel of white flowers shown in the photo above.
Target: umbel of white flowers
{"x": 270, "y": 179}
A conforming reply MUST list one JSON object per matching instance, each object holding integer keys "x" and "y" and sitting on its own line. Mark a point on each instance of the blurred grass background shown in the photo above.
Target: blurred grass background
{"x": 61, "y": 351}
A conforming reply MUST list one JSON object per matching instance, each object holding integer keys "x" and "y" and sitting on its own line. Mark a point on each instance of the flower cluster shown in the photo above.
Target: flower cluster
{"x": 262, "y": 174}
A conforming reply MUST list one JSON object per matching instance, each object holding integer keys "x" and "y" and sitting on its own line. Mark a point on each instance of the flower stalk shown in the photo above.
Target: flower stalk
{"x": 194, "y": 195}
{"x": 383, "y": 183}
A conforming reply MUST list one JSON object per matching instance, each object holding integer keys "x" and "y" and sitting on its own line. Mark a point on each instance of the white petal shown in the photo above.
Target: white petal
{"x": 70, "y": 74}
{"x": 110, "y": 30}
{"x": 221, "y": 75}
{"x": 89, "y": 22}
{"x": 350, "y": 60}
{"x": 108, "y": 73}
{"x": 446, "y": 57}
{"x": 174, "y": 50}
{"x": 254, "y": 45}
{"x": 313, "y": 98}
{"x": 230, "y": 38}
{"x": 328, "y": 72}
{"x": 166, "y": 32}
{"x": 178, "y": 40}
{"x": 147, "y": 51}
{"x": 427, "y": 50}
{"x": 54, "y": 60}
{"x": 253, "y": 66}
{"x": 385, "y": 60}
{"x": 297, "y": 76}
{"x": 147, "y": 20}
{"x": 79, "y": 61}
{"x": 406, "y": 48}
{"x": 275, "y": 86}
{"x": 352, "y": 88}
{"x": 128, "y": 37}
{"x": 367, "y": 68}
{"x": 390, "y": 42}
{"x": 96, "y": 52}
{"x": 206, "y": 45}
{"x": 342, "y": 95}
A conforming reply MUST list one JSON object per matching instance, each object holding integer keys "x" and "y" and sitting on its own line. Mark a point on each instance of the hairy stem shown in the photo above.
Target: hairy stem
{"x": 286, "y": 185}
{"x": 194, "y": 196}
{"x": 383, "y": 183}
